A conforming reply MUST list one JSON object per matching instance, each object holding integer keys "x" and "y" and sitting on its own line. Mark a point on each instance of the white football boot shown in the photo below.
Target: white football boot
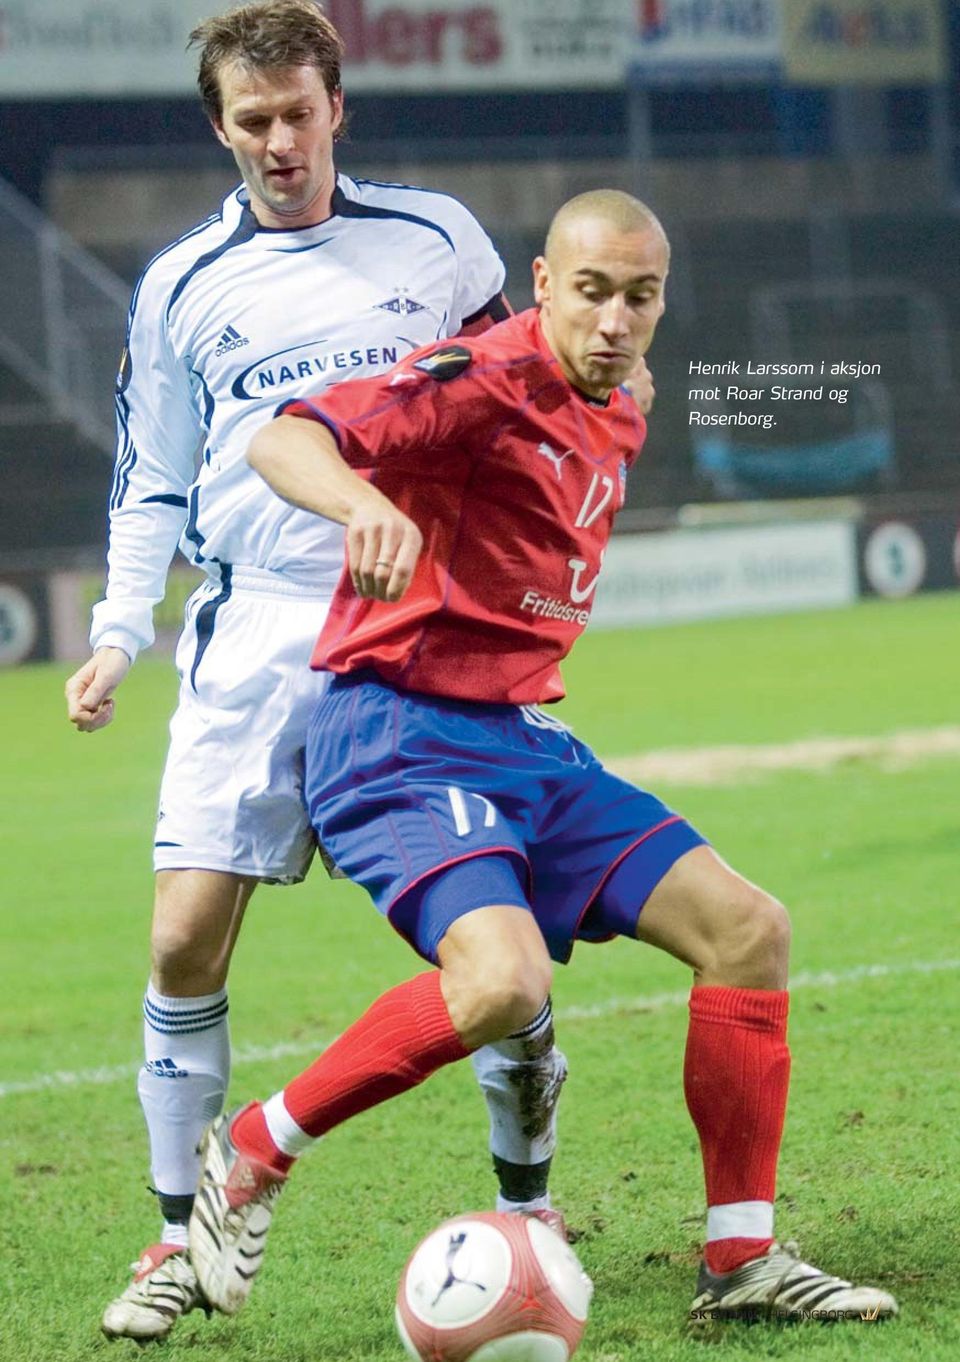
{"x": 779, "y": 1285}
{"x": 231, "y": 1215}
{"x": 164, "y": 1287}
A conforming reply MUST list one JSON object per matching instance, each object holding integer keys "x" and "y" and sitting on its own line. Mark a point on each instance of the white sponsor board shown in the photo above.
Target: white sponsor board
{"x": 110, "y": 47}
{"x": 697, "y": 574}
{"x": 72, "y": 595}
{"x": 701, "y": 40}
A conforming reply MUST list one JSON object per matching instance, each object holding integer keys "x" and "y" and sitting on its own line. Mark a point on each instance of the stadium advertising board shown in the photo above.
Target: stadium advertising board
{"x": 109, "y": 47}
{"x": 73, "y": 594}
{"x": 698, "y": 574}
{"x": 901, "y": 555}
{"x": 24, "y": 618}
{"x": 703, "y": 40}
{"x": 864, "y": 42}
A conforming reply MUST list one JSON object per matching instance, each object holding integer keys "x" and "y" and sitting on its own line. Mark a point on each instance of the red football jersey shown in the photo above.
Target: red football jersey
{"x": 513, "y": 477}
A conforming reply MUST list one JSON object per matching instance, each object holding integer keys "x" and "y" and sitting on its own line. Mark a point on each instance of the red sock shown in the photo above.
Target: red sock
{"x": 251, "y": 1135}
{"x": 736, "y": 1076}
{"x": 404, "y": 1037}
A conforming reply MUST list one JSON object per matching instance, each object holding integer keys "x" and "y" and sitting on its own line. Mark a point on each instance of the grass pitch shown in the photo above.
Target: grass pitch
{"x": 866, "y": 858}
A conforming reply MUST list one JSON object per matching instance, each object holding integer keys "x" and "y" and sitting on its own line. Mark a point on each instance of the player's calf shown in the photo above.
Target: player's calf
{"x": 521, "y": 1078}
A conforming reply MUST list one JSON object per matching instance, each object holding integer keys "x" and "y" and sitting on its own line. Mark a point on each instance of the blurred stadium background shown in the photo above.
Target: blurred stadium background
{"x": 804, "y": 156}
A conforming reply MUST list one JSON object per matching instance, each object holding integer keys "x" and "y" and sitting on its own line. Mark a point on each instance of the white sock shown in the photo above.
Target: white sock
{"x": 284, "y": 1131}
{"x": 537, "y": 1203}
{"x": 182, "y": 1087}
{"x": 521, "y": 1078}
{"x": 740, "y": 1220}
{"x": 174, "y": 1232}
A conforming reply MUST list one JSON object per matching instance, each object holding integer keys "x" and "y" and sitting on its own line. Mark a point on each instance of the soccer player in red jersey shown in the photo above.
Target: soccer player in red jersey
{"x": 491, "y": 473}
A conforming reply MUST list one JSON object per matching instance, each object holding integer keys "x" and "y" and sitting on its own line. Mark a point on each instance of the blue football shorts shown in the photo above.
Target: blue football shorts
{"x": 438, "y": 807}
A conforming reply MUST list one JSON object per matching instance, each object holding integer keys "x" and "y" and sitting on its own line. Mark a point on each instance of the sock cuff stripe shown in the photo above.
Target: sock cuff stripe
{"x": 188, "y": 1016}
{"x": 184, "y": 1007}
{"x": 163, "y": 1010}
{"x": 179, "y": 1023}
{"x": 540, "y": 1020}
{"x": 740, "y": 1220}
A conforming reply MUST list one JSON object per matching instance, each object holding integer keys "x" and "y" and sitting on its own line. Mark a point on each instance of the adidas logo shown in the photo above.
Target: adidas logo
{"x": 164, "y": 1068}
{"x": 231, "y": 340}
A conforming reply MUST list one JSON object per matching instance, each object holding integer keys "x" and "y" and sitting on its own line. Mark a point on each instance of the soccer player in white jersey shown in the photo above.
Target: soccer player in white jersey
{"x": 302, "y": 277}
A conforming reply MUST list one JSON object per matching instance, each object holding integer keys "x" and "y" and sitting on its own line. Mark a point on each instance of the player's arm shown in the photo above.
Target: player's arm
{"x": 301, "y": 461}
{"x": 496, "y": 309}
{"x": 478, "y": 300}
{"x": 158, "y": 434}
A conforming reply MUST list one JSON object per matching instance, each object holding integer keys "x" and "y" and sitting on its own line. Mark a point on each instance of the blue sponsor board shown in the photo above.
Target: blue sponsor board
{"x": 701, "y": 41}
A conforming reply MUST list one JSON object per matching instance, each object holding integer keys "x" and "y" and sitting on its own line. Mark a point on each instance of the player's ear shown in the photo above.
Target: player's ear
{"x": 218, "y": 131}
{"x": 541, "y": 281}
{"x": 336, "y": 107}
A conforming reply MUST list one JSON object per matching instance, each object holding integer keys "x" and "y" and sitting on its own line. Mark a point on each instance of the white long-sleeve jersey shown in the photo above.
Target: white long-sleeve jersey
{"x": 230, "y": 321}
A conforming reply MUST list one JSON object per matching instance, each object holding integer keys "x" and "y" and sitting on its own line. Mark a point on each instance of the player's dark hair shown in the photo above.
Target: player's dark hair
{"x": 268, "y": 35}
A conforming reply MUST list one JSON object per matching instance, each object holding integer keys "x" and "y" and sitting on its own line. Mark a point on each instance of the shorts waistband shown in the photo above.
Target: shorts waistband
{"x": 264, "y": 581}
{"x": 369, "y": 676}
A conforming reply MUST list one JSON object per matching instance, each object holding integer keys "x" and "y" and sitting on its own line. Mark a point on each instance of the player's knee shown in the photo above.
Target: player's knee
{"x": 755, "y": 944}
{"x": 503, "y": 1001}
{"x": 183, "y": 957}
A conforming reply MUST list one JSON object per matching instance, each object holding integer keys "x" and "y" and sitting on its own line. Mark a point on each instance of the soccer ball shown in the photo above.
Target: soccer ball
{"x": 490, "y": 1287}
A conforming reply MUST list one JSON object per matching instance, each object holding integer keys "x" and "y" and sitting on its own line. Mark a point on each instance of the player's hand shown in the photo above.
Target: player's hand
{"x": 383, "y": 546}
{"x": 90, "y": 690}
{"x": 640, "y": 385}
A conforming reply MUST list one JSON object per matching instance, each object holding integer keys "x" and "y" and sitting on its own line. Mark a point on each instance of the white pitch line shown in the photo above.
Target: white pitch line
{"x": 249, "y": 1054}
{"x": 804, "y": 979}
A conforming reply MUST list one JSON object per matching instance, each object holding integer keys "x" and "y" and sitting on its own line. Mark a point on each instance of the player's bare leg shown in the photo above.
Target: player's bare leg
{"x": 183, "y": 1083}
{"x": 494, "y": 978}
{"x": 736, "y": 939}
{"x": 730, "y": 932}
{"x": 494, "y": 973}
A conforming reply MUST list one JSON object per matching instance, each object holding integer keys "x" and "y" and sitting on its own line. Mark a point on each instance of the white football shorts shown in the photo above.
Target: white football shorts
{"x": 232, "y": 791}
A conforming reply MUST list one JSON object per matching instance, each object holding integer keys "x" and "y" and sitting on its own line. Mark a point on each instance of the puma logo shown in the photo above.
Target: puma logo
{"x": 555, "y": 458}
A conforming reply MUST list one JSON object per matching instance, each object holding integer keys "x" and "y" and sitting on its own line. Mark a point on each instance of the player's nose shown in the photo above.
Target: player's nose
{"x": 280, "y": 141}
{"x": 613, "y": 318}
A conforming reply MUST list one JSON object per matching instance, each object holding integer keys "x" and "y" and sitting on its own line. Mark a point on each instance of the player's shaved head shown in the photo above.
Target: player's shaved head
{"x": 600, "y": 287}
{"x": 617, "y": 210}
